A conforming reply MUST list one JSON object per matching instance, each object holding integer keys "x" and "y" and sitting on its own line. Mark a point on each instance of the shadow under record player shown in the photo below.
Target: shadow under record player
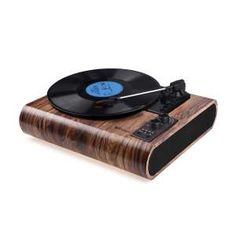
{"x": 122, "y": 117}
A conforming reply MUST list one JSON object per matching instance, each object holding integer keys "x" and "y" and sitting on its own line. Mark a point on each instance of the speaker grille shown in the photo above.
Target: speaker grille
{"x": 168, "y": 150}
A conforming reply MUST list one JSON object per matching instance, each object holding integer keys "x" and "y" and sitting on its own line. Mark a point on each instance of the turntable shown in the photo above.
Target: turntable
{"x": 121, "y": 117}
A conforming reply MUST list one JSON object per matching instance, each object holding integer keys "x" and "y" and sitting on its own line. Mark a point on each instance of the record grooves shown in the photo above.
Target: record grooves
{"x": 78, "y": 94}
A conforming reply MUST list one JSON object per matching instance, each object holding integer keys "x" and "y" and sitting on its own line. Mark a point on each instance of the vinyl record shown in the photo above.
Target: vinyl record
{"x": 80, "y": 94}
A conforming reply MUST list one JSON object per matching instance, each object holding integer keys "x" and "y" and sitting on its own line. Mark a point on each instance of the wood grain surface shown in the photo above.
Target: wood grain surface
{"x": 109, "y": 141}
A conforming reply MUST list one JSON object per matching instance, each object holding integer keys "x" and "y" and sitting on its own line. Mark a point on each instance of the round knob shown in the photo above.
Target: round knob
{"x": 154, "y": 125}
{"x": 164, "y": 118}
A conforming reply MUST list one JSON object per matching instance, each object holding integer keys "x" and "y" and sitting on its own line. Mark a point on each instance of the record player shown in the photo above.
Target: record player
{"x": 122, "y": 117}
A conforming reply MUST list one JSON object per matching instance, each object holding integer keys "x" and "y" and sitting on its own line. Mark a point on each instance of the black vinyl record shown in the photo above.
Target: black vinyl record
{"x": 80, "y": 94}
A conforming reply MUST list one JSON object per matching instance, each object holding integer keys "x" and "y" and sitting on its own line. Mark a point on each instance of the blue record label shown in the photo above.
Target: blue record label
{"x": 104, "y": 89}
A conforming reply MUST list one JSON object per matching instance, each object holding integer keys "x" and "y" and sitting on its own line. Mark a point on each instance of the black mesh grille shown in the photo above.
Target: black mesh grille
{"x": 165, "y": 152}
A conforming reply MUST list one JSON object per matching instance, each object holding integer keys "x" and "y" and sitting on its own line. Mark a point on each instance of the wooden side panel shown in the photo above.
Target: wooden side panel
{"x": 107, "y": 141}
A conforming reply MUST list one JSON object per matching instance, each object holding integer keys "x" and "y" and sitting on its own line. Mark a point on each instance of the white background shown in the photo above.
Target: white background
{"x": 46, "y": 190}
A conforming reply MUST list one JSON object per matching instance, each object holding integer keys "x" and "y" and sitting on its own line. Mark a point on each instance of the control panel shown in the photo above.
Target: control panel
{"x": 153, "y": 128}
